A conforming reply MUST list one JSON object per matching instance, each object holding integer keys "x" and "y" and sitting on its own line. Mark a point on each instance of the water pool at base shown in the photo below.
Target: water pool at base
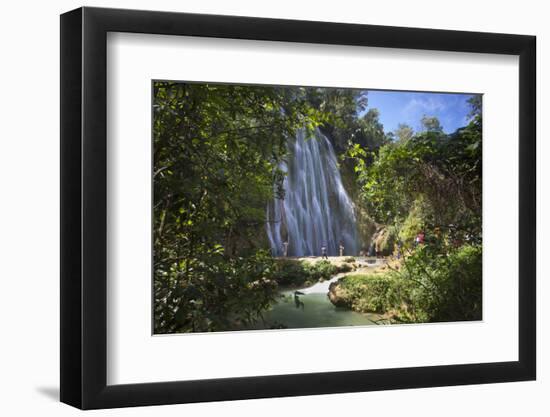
{"x": 311, "y": 310}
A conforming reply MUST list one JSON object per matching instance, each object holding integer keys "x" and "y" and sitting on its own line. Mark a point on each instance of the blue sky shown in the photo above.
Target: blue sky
{"x": 408, "y": 107}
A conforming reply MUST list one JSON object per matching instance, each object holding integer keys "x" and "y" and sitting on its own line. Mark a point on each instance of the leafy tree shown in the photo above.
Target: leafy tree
{"x": 217, "y": 149}
{"x": 342, "y": 107}
{"x": 447, "y": 284}
{"x": 429, "y": 287}
{"x": 370, "y": 131}
{"x": 431, "y": 124}
{"x": 475, "y": 103}
{"x": 430, "y": 182}
{"x": 216, "y": 157}
{"x": 442, "y": 171}
{"x": 404, "y": 132}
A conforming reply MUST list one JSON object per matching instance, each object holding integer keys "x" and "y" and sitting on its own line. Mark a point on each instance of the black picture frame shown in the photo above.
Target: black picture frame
{"x": 84, "y": 207}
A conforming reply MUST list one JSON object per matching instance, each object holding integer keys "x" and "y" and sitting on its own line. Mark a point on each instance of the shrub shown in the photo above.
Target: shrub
{"x": 213, "y": 295}
{"x": 378, "y": 293}
{"x": 321, "y": 270}
{"x": 412, "y": 224}
{"x": 449, "y": 284}
{"x": 388, "y": 241}
{"x": 290, "y": 272}
{"x": 431, "y": 287}
{"x": 296, "y": 273}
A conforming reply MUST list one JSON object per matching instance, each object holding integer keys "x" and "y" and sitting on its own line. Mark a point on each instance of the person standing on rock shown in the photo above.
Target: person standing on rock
{"x": 324, "y": 251}
{"x": 341, "y": 248}
{"x": 285, "y": 248}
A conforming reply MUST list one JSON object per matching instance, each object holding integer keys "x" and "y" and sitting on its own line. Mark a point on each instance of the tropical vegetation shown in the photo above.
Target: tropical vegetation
{"x": 217, "y": 154}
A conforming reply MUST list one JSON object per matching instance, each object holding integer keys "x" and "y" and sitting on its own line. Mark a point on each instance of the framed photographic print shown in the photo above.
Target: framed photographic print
{"x": 256, "y": 208}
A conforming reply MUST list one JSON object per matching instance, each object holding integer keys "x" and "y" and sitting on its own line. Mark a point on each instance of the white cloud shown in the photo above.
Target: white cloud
{"x": 428, "y": 104}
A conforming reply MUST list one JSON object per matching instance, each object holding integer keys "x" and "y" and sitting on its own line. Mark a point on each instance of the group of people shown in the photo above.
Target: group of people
{"x": 418, "y": 240}
{"x": 324, "y": 249}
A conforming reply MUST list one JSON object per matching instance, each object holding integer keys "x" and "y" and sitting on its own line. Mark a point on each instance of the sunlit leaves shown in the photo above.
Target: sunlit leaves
{"x": 217, "y": 150}
{"x": 442, "y": 170}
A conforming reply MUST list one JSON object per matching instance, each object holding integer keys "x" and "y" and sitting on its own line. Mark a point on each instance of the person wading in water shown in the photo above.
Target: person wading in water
{"x": 297, "y": 302}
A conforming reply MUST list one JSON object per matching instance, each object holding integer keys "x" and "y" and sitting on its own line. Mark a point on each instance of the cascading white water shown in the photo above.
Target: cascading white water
{"x": 316, "y": 210}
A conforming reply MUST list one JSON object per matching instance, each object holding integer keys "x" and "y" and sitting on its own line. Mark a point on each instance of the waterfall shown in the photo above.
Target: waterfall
{"x": 316, "y": 210}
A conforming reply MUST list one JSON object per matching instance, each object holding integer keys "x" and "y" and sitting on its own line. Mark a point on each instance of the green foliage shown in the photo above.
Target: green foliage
{"x": 343, "y": 107}
{"x": 431, "y": 287}
{"x": 296, "y": 273}
{"x": 429, "y": 182}
{"x": 217, "y": 152}
{"x": 431, "y": 124}
{"x": 217, "y": 149}
{"x": 403, "y": 132}
{"x": 347, "y": 121}
{"x": 388, "y": 240}
{"x": 378, "y": 293}
{"x": 475, "y": 103}
{"x": 218, "y": 293}
{"x": 439, "y": 174}
{"x": 448, "y": 283}
{"x": 322, "y": 270}
{"x": 412, "y": 224}
{"x": 291, "y": 272}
